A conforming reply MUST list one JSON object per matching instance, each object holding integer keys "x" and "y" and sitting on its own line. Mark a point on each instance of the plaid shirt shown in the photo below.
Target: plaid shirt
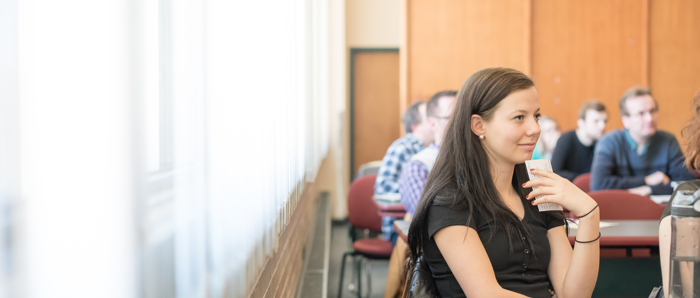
{"x": 396, "y": 156}
{"x": 413, "y": 178}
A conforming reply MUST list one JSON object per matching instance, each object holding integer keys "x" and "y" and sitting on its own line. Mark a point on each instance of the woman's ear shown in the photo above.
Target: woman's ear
{"x": 477, "y": 125}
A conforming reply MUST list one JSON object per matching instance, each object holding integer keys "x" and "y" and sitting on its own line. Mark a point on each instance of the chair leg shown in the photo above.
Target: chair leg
{"x": 342, "y": 272}
{"x": 368, "y": 267}
{"x": 351, "y": 285}
{"x": 359, "y": 276}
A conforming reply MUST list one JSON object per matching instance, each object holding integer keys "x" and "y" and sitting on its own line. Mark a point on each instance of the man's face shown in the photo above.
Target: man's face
{"x": 641, "y": 116}
{"x": 438, "y": 123}
{"x": 422, "y": 130}
{"x": 593, "y": 124}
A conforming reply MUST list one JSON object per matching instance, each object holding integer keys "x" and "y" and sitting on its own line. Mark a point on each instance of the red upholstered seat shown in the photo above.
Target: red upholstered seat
{"x": 618, "y": 204}
{"x": 364, "y": 213}
{"x": 373, "y": 246}
{"x": 583, "y": 182}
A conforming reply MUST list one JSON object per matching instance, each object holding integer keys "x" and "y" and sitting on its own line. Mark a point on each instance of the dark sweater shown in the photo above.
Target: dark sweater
{"x": 617, "y": 165}
{"x": 570, "y": 157}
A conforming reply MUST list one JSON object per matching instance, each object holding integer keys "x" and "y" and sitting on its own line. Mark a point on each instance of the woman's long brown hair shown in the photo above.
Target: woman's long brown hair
{"x": 691, "y": 133}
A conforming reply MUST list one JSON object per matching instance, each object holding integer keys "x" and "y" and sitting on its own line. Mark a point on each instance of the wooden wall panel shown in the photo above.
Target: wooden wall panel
{"x": 588, "y": 49}
{"x": 445, "y": 41}
{"x": 675, "y": 60}
{"x": 376, "y": 119}
{"x": 282, "y": 271}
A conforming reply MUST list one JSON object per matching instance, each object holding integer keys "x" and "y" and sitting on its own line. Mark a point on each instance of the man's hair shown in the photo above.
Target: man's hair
{"x": 592, "y": 104}
{"x": 412, "y": 116}
{"x": 431, "y": 109}
{"x": 635, "y": 91}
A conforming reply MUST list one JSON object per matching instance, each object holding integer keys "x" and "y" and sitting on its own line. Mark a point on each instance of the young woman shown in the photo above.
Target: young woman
{"x": 477, "y": 224}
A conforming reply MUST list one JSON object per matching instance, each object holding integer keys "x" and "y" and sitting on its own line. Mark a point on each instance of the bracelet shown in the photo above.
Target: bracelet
{"x": 589, "y": 212}
{"x": 588, "y": 241}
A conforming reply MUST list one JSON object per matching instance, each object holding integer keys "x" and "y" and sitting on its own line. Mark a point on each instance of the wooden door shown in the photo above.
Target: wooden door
{"x": 374, "y": 104}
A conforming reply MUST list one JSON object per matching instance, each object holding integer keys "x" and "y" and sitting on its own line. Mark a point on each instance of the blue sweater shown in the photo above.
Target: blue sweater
{"x": 616, "y": 164}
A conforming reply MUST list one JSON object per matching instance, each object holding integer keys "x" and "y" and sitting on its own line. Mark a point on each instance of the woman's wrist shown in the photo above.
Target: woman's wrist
{"x": 593, "y": 218}
{"x": 593, "y": 209}
{"x": 590, "y": 207}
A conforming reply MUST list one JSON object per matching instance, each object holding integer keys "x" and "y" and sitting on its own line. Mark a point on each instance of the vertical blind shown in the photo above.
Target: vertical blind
{"x": 221, "y": 106}
{"x": 267, "y": 119}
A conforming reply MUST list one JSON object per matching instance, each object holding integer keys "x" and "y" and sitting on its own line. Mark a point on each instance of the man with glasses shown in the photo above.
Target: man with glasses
{"x": 639, "y": 157}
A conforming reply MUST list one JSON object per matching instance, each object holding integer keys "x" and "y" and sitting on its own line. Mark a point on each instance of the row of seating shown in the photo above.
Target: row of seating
{"x": 364, "y": 214}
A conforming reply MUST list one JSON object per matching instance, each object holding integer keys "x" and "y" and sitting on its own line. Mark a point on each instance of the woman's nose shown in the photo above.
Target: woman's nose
{"x": 534, "y": 128}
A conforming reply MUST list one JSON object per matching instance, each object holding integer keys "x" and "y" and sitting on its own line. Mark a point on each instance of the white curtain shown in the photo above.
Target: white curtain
{"x": 267, "y": 121}
{"x": 154, "y": 147}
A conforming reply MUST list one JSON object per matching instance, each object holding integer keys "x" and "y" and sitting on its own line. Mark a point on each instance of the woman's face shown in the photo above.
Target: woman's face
{"x": 511, "y": 134}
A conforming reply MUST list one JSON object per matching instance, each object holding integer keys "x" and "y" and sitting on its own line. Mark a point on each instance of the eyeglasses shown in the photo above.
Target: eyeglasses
{"x": 439, "y": 117}
{"x": 651, "y": 112}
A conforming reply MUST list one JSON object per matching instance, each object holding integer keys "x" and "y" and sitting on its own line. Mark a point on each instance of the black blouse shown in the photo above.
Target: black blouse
{"x": 522, "y": 271}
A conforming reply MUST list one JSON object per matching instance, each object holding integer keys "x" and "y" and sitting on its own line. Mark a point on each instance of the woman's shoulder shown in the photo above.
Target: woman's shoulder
{"x": 445, "y": 212}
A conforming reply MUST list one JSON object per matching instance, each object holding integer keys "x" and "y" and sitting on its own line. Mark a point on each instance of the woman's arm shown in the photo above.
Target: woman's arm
{"x": 665, "y": 251}
{"x": 573, "y": 273}
{"x": 468, "y": 261}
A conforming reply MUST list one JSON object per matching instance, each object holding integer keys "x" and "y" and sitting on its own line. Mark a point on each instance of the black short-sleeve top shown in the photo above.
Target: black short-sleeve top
{"x": 522, "y": 271}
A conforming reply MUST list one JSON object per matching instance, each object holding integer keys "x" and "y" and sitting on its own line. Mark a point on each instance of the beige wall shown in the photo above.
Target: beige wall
{"x": 353, "y": 24}
{"x": 373, "y": 23}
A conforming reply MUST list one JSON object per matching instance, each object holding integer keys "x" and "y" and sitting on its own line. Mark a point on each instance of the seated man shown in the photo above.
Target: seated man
{"x": 415, "y": 172}
{"x": 417, "y": 134}
{"x": 573, "y": 154}
{"x": 400, "y": 151}
{"x": 413, "y": 177}
{"x": 639, "y": 157}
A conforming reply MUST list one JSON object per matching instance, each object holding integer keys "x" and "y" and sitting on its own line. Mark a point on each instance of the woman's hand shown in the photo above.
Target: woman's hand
{"x": 560, "y": 191}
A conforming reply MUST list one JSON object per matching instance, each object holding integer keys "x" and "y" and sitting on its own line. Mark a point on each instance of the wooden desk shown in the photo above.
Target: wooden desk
{"x": 624, "y": 233}
{"x": 390, "y": 205}
{"x": 401, "y": 227}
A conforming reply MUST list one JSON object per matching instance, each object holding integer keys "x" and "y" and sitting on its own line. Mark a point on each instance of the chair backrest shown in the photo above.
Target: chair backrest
{"x": 363, "y": 211}
{"x": 369, "y": 168}
{"x": 583, "y": 182}
{"x": 621, "y": 204}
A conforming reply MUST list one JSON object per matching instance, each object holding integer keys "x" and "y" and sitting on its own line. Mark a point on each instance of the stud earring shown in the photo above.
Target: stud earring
{"x": 481, "y": 137}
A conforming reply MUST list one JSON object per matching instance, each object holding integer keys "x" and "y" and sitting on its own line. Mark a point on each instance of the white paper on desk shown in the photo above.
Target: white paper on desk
{"x": 389, "y": 198}
{"x": 660, "y": 199}
{"x": 542, "y": 164}
{"x": 603, "y": 224}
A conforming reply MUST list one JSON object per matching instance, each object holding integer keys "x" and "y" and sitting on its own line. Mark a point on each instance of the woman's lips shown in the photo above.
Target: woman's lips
{"x": 527, "y": 146}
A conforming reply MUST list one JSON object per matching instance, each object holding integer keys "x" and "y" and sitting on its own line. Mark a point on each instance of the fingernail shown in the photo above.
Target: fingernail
{"x": 524, "y": 184}
{"x": 533, "y": 202}
{"x": 527, "y": 196}
{"x": 532, "y": 170}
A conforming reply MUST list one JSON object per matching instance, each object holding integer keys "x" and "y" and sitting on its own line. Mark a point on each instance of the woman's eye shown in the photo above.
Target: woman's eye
{"x": 538, "y": 116}
{"x": 518, "y": 117}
